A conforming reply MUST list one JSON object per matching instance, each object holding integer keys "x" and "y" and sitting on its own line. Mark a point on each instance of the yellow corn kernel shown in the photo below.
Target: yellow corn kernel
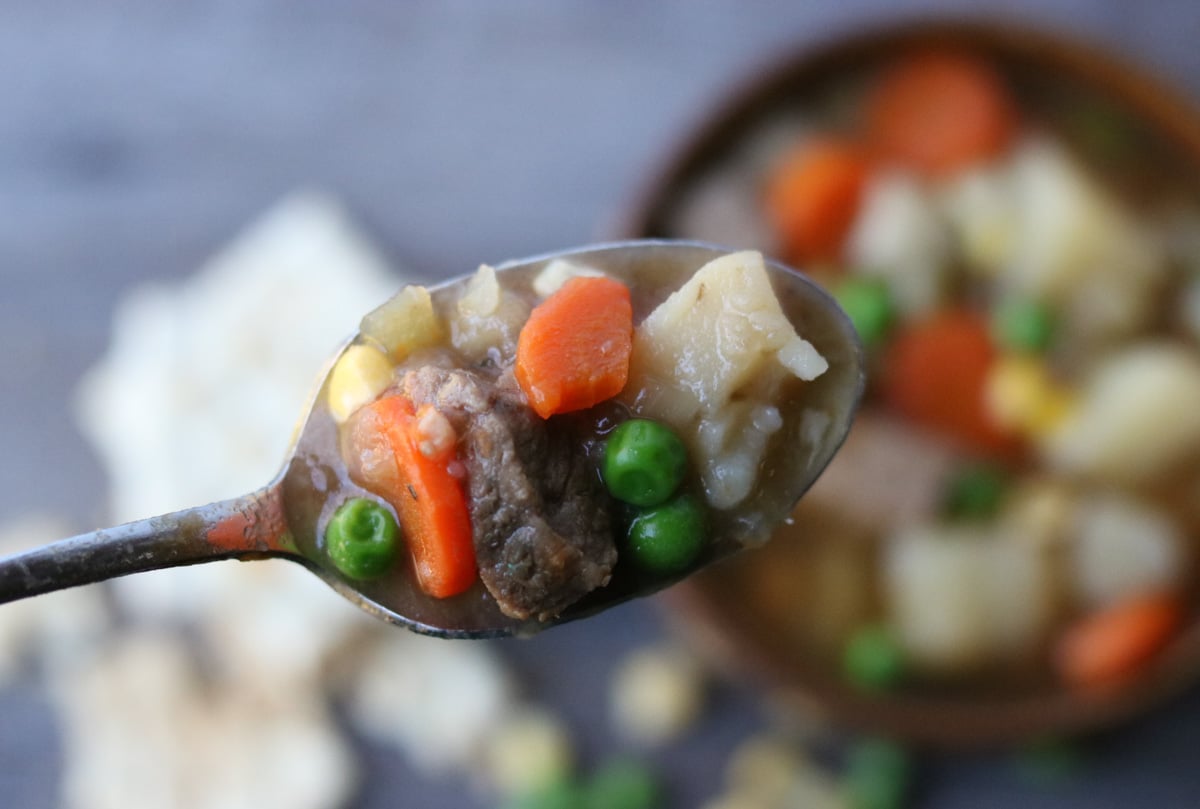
{"x": 1021, "y": 396}
{"x": 361, "y": 374}
{"x": 1014, "y": 391}
{"x": 405, "y": 323}
{"x": 1051, "y": 412}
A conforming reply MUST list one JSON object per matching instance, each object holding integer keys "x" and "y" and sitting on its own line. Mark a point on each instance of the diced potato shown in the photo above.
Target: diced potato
{"x": 721, "y": 337}
{"x": 1122, "y": 548}
{"x": 360, "y": 375}
{"x": 557, "y": 273}
{"x": 404, "y": 323}
{"x": 735, "y": 439}
{"x": 1075, "y": 245}
{"x": 1137, "y": 416}
{"x": 487, "y": 317}
{"x": 900, "y": 238}
{"x": 959, "y": 597}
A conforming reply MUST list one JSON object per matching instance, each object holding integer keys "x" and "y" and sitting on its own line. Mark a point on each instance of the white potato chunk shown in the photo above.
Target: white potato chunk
{"x": 1076, "y": 246}
{"x": 721, "y": 339}
{"x": 1137, "y": 416}
{"x": 487, "y": 317}
{"x": 1122, "y": 548}
{"x": 558, "y": 272}
{"x": 405, "y": 323}
{"x": 959, "y": 597}
{"x": 900, "y": 238}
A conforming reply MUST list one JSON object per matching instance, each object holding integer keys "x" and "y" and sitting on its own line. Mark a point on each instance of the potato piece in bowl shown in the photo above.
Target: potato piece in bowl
{"x": 962, "y": 596}
{"x": 1137, "y": 418}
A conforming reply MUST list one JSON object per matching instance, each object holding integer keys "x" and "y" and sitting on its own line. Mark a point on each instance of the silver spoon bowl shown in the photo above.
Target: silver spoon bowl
{"x": 280, "y": 520}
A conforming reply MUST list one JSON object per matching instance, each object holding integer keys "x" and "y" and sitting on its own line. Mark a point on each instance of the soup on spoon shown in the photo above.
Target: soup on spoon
{"x": 532, "y": 443}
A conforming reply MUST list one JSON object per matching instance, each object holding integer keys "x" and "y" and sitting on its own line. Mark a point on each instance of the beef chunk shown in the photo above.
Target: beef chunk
{"x": 542, "y": 532}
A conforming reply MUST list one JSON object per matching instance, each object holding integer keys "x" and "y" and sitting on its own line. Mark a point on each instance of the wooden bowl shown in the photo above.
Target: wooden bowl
{"x": 712, "y": 609}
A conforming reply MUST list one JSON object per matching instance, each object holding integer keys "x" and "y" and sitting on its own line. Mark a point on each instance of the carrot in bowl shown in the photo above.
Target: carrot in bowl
{"x": 813, "y": 196}
{"x": 573, "y": 351}
{"x": 1109, "y": 647}
{"x": 937, "y": 112}
{"x": 935, "y": 373}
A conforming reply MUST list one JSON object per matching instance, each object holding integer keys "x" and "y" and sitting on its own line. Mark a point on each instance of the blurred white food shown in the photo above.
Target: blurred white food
{"x": 197, "y": 396}
{"x": 435, "y": 700}
{"x": 1072, "y": 243}
{"x": 1137, "y": 416}
{"x": 1124, "y": 548}
{"x": 766, "y": 772}
{"x": 900, "y": 237}
{"x": 961, "y": 596}
{"x": 528, "y": 750}
{"x": 656, "y": 694}
{"x": 142, "y": 727}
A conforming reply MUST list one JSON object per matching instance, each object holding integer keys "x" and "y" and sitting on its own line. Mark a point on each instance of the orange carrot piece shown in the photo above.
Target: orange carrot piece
{"x": 429, "y": 501}
{"x": 813, "y": 196}
{"x": 935, "y": 373}
{"x": 1109, "y": 647}
{"x": 937, "y": 112}
{"x": 573, "y": 351}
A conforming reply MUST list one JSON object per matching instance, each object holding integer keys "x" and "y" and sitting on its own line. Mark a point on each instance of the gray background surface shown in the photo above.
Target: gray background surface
{"x": 137, "y": 137}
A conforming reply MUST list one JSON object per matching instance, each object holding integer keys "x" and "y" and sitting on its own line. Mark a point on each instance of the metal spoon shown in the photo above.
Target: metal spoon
{"x": 280, "y": 520}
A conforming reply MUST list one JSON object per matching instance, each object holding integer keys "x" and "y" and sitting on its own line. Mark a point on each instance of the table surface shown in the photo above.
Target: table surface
{"x": 137, "y": 137}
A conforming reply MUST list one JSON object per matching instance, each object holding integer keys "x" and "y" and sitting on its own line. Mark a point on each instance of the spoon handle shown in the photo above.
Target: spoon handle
{"x": 249, "y": 527}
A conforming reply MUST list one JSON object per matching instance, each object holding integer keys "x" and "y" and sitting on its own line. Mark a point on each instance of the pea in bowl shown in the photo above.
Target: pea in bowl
{"x": 1006, "y": 546}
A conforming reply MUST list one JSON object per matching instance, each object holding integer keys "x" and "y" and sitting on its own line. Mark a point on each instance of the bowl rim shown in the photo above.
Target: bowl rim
{"x": 922, "y": 719}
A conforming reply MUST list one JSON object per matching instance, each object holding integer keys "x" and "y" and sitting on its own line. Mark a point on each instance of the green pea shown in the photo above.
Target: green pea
{"x": 872, "y": 659}
{"x": 361, "y": 538}
{"x": 622, "y": 784}
{"x": 1023, "y": 325}
{"x": 877, "y": 776}
{"x": 668, "y": 538}
{"x": 975, "y": 492}
{"x": 644, "y": 462}
{"x": 563, "y": 794}
{"x": 868, "y": 303}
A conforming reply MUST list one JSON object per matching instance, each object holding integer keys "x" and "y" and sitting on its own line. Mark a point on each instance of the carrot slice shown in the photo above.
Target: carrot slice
{"x": 1109, "y": 647}
{"x": 573, "y": 351}
{"x": 937, "y": 112}
{"x": 427, "y": 497}
{"x": 813, "y": 196}
{"x": 935, "y": 373}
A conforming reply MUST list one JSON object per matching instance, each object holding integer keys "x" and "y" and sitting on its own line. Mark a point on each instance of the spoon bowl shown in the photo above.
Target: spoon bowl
{"x": 283, "y": 519}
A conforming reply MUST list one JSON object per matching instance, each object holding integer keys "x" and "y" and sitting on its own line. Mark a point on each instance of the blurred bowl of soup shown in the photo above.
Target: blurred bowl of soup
{"x": 1006, "y": 547}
